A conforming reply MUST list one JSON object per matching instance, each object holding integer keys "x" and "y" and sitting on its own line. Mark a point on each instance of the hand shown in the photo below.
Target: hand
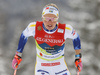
{"x": 78, "y": 64}
{"x": 16, "y": 61}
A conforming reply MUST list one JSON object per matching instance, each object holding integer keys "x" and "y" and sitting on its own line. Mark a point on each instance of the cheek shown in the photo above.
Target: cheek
{"x": 44, "y": 22}
{"x": 54, "y": 23}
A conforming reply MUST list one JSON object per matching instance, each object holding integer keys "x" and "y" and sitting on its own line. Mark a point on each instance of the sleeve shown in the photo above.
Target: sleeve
{"x": 29, "y": 31}
{"x": 72, "y": 34}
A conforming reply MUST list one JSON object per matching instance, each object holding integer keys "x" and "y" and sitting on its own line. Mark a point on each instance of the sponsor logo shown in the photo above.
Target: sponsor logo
{"x": 47, "y": 8}
{"x": 49, "y": 48}
{"x": 43, "y": 13}
{"x": 74, "y": 32}
{"x": 41, "y": 54}
{"x": 52, "y": 56}
{"x": 48, "y": 36}
{"x": 51, "y": 11}
{"x": 65, "y": 74}
{"x": 62, "y": 72}
{"x": 39, "y": 28}
{"x": 51, "y": 8}
{"x": 50, "y": 64}
{"x": 49, "y": 40}
{"x": 42, "y": 73}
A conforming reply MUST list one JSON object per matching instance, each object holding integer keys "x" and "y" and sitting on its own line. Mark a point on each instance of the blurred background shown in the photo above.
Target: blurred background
{"x": 83, "y": 15}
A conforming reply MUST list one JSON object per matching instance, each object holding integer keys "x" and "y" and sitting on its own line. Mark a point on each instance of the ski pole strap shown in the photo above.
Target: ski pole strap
{"x": 19, "y": 59}
{"x": 77, "y": 62}
{"x": 78, "y": 56}
{"x": 19, "y": 54}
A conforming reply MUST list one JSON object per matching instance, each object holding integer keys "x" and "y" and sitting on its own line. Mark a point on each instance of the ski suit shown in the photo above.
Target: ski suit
{"x": 50, "y": 47}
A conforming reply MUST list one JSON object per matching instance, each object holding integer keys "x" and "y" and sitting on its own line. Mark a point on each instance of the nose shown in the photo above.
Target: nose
{"x": 49, "y": 19}
{"x": 49, "y": 22}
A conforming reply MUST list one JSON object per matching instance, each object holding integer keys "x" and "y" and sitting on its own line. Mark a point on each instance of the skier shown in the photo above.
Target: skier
{"x": 50, "y": 36}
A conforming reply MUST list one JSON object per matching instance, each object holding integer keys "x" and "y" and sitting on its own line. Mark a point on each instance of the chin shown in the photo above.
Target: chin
{"x": 50, "y": 28}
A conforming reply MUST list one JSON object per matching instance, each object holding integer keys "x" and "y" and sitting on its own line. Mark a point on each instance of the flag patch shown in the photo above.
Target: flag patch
{"x": 60, "y": 30}
{"x": 65, "y": 74}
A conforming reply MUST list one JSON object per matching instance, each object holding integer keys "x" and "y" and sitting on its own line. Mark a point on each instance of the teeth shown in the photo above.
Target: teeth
{"x": 50, "y": 25}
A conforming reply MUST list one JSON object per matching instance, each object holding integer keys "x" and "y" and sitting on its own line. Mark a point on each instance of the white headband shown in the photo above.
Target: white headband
{"x": 50, "y": 10}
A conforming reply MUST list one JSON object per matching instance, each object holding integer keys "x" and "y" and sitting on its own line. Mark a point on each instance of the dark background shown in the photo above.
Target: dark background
{"x": 83, "y": 15}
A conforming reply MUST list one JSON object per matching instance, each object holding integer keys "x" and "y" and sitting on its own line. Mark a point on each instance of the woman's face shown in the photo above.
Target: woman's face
{"x": 49, "y": 21}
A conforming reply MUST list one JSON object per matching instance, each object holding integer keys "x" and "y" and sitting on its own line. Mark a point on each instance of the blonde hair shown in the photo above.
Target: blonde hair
{"x": 52, "y": 4}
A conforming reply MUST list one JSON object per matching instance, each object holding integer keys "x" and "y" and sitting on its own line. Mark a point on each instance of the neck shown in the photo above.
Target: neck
{"x": 49, "y": 30}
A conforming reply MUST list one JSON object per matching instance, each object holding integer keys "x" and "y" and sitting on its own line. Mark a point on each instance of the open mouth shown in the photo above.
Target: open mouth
{"x": 49, "y": 25}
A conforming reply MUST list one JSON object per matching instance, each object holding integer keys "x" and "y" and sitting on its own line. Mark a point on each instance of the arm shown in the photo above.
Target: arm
{"x": 72, "y": 34}
{"x": 29, "y": 31}
{"x": 77, "y": 47}
{"x": 22, "y": 42}
{"x": 18, "y": 55}
{"x": 77, "y": 51}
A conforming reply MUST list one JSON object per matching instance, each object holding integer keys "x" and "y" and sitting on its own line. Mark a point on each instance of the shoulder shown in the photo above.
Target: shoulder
{"x": 32, "y": 24}
{"x": 68, "y": 27}
{"x": 30, "y": 29}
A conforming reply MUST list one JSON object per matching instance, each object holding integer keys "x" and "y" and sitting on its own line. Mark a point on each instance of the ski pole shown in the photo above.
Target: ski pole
{"x": 15, "y": 71}
{"x": 77, "y": 73}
